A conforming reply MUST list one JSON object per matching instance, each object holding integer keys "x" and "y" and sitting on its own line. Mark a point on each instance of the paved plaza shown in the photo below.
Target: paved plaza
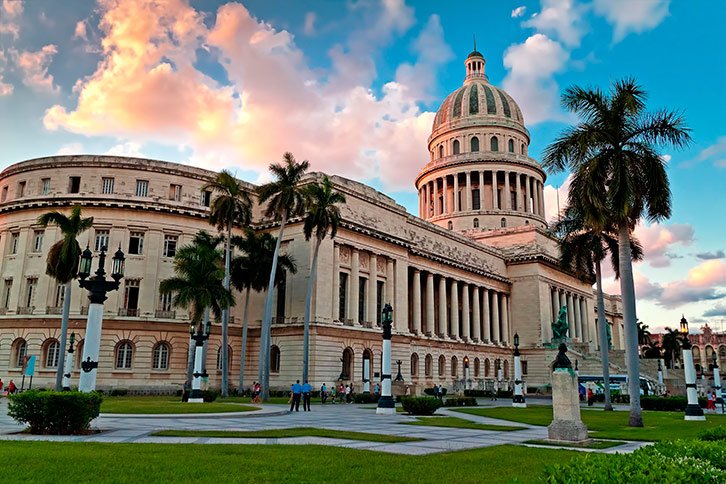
{"x": 353, "y": 418}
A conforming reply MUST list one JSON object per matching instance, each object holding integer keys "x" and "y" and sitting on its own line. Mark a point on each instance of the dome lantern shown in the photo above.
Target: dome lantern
{"x": 475, "y": 66}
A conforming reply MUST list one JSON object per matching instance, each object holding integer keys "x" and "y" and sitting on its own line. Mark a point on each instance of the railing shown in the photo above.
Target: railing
{"x": 160, "y": 313}
{"x": 54, "y": 310}
{"x": 26, "y": 310}
{"x": 128, "y": 312}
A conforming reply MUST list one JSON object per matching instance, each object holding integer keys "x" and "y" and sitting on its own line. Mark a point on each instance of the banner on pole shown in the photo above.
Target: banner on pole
{"x": 30, "y": 368}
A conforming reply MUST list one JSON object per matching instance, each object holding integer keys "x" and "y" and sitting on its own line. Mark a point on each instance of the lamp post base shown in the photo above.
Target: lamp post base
{"x": 386, "y": 406}
{"x": 196, "y": 400}
{"x": 385, "y": 411}
{"x": 519, "y": 404}
{"x": 694, "y": 412}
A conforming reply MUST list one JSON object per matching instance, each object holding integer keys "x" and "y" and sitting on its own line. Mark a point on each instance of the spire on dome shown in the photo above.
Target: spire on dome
{"x": 475, "y": 65}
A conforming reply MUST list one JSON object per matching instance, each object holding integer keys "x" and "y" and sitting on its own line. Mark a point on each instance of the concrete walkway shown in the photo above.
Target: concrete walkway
{"x": 355, "y": 418}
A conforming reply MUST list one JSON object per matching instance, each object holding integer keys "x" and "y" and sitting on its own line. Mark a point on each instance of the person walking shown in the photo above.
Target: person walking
{"x": 306, "y": 391}
{"x": 332, "y": 393}
{"x": 441, "y": 392}
{"x": 323, "y": 394}
{"x": 296, "y": 393}
{"x": 12, "y": 388}
{"x": 590, "y": 397}
{"x": 408, "y": 391}
{"x": 348, "y": 391}
{"x": 378, "y": 389}
{"x": 711, "y": 401}
{"x": 495, "y": 390}
{"x": 185, "y": 391}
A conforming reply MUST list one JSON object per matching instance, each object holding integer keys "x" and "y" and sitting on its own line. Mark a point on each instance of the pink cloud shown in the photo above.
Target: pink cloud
{"x": 658, "y": 240}
{"x": 710, "y": 273}
{"x": 551, "y": 200}
{"x": 34, "y": 67}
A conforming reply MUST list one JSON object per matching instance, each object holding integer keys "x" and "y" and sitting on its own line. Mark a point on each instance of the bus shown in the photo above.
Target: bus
{"x": 646, "y": 386}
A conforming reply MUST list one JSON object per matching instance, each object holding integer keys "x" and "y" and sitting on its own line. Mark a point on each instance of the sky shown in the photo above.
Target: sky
{"x": 353, "y": 86}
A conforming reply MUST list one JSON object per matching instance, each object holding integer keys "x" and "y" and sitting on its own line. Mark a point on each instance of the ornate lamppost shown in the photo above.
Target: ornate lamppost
{"x": 97, "y": 287}
{"x": 693, "y": 409}
{"x": 69, "y": 361}
{"x": 717, "y": 380}
{"x": 386, "y": 404}
{"x": 199, "y": 334}
{"x": 660, "y": 373}
{"x": 466, "y": 373}
{"x": 518, "y": 399}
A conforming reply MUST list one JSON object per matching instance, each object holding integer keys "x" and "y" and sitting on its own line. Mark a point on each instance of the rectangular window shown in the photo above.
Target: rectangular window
{"x": 175, "y": 192}
{"x": 165, "y": 302}
{"x": 74, "y": 184}
{"x": 60, "y": 294}
{"x": 131, "y": 294}
{"x": 46, "y": 186}
{"x": 361, "y": 299}
{"x": 514, "y": 200}
{"x": 6, "y": 292}
{"x": 101, "y": 240}
{"x": 524, "y": 367}
{"x": 107, "y": 186}
{"x": 38, "y": 240}
{"x": 342, "y": 295}
{"x": 142, "y": 188}
{"x": 379, "y": 302}
{"x": 136, "y": 243}
{"x": 21, "y": 189}
{"x": 281, "y": 296}
{"x": 14, "y": 241}
{"x": 475, "y": 200}
{"x": 30, "y": 290}
{"x": 170, "y": 242}
{"x": 4, "y": 195}
{"x": 206, "y": 198}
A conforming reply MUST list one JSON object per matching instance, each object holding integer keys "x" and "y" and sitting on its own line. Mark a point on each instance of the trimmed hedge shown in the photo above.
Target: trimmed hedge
{"x": 430, "y": 391}
{"x": 365, "y": 398}
{"x": 487, "y": 393}
{"x": 420, "y": 405}
{"x": 210, "y": 395}
{"x": 693, "y": 461}
{"x": 460, "y": 402}
{"x": 119, "y": 392}
{"x": 55, "y": 413}
{"x": 713, "y": 434}
{"x": 668, "y": 404}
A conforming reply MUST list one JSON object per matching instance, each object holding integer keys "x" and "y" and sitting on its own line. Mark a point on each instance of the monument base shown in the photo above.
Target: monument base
{"x": 566, "y": 424}
{"x": 519, "y": 405}
{"x": 385, "y": 411}
{"x": 196, "y": 400}
{"x": 567, "y": 431}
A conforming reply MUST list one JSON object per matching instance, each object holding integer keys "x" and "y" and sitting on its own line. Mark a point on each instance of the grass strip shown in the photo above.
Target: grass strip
{"x": 460, "y": 423}
{"x": 166, "y": 405}
{"x": 595, "y": 444}
{"x": 291, "y": 432}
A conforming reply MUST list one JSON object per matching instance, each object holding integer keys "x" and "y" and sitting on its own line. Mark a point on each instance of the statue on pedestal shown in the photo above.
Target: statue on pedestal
{"x": 560, "y": 327}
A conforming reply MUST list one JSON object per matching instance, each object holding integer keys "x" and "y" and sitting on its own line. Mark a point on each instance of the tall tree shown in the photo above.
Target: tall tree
{"x": 62, "y": 264}
{"x": 251, "y": 271}
{"x": 285, "y": 199}
{"x": 323, "y": 216}
{"x": 643, "y": 334}
{"x": 616, "y": 146}
{"x": 231, "y": 206}
{"x": 671, "y": 345}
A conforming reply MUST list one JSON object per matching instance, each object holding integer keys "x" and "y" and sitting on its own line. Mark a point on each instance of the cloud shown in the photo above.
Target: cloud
{"x": 679, "y": 292}
{"x": 10, "y": 10}
{"x": 658, "y": 239}
{"x": 628, "y": 16}
{"x": 551, "y": 199}
{"x": 126, "y": 149}
{"x": 34, "y": 67}
{"x": 519, "y": 11}
{"x": 531, "y": 66}
{"x": 718, "y": 310}
{"x": 720, "y": 163}
{"x": 71, "y": 149}
{"x": 562, "y": 18}
{"x": 719, "y": 254}
{"x": 716, "y": 150}
{"x": 710, "y": 273}
{"x": 80, "y": 32}
{"x": 5, "y": 89}
{"x": 309, "y": 27}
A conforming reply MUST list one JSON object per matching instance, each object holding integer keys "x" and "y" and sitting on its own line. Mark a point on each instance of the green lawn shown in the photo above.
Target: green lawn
{"x": 595, "y": 444}
{"x": 399, "y": 408}
{"x": 609, "y": 425}
{"x": 291, "y": 432}
{"x": 460, "y": 423}
{"x": 93, "y": 463}
{"x": 277, "y": 400}
{"x": 143, "y": 405}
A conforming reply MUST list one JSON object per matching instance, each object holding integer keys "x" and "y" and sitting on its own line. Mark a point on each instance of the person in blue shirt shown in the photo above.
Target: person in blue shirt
{"x": 306, "y": 391}
{"x": 323, "y": 394}
{"x": 296, "y": 393}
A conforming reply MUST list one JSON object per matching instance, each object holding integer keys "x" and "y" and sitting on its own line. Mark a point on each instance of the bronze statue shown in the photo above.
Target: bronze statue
{"x": 560, "y": 327}
{"x": 562, "y": 361}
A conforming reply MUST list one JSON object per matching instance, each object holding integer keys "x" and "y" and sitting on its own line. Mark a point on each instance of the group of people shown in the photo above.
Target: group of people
{"x": 341, "y": 393}
{"x": 300, "y": 392}
{"x": 711, "y": 400}
{"x": 11, "y": 389}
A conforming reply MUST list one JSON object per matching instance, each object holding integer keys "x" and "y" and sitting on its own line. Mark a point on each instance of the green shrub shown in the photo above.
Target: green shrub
{"x": 714, "y": 433}
{"x": 420, "y": 405}
{"x": 487, "y": 393}
{"x": 694, "y": 462}
{"x": 668, "y": 404}
{"x": 430, "y": 391}
{"x": 56, "y": 413}
{"x": 365, "y": 398}
{"x": 460, "y": 402}
{"x": 119, "y": 392}
{"x": 210, "y": 395}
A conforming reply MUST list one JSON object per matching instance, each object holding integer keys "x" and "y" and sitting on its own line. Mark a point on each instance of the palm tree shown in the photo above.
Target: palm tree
{"x": 671, "y": 345}
{"x": 62, "y": 264}
{"x": 582, "y": 250}
{"x": 232, "y": 206}
{"x": 323, "y": 215}
{"x": 286, "y": 199}
{"x": 643, "y": 333}
{"x": 197, "y": 285}
{"x": 250, "y": 272}
{"x": 616, "y": 146}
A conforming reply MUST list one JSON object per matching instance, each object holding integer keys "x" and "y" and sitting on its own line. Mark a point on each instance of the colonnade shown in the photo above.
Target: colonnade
{"x": 453, "y": 309}
{"x": 481, "y": 190}
{"x": 577, "y": 319}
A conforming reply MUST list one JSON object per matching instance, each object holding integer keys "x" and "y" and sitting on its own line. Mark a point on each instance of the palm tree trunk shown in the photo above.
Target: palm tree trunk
{"x": 267, "y": 320}
{"x": 225, "y": 319}
{"x": 205, "y": 346}
{"x": 243, "y": 352}
{"x": 306, "y": 338}
{"x": 627, "y": 290}
{"x": 64, "y": 332}
{"x": 602, "y": 331}
{"x": 190, "y": 359}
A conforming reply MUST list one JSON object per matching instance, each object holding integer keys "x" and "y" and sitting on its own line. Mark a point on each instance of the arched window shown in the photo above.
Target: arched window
{"x": 526, "y": 222}
{"x": 450, "y": 225}
{"x": 457, "y": 147}
{"x": 414, "y": 364}
{"x": 506, "y": 369}
{"x": 454, "y": 367}
{"x": 522, "y": 148}
{"x": 229, "y": 359}
{"x": 21, "y": 349}
{"x": 274, "y": 359}
{"x": 503, "y": 222}
{"x": 511, "y": 146}
{"x": 367, "y": 368}
{"x": 124, "y": 355}
{"x": 494, "y": 144}
{"x": 486, "y": 368}
{"x": 78, "y": 351}
{"x": 52, "y": 348}
{"x": 475, "y": 144}
{"x": 347, "y": 364}
{"x": 429, "y": 365}
{"x": 442, "y": 365}
{"x": 441, "y": 151}
{"x": 476, "y": 367}
{"x": 161, "y": 357}
{"x": 476, "y": 223}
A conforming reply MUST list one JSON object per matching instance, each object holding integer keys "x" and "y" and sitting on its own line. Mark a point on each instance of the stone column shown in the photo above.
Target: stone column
{"x": 526, "y": 194}
{"x": 427, "y": 204}
{"x": 535, "y": 193}
{"x": 494, "y": 190}
{"x": 495, "y": 317}
{"x": 354, "y": 286}
{"x": 505, "y": 319}
{"x": 436, "y": 197}
{"x": 469, "y": 205}
{"x": 562, "y": 303}
{"x": 518, "y": 187}
{"x": 585, "y": 319}
{"x": 570, "y": 319}
{"x": 541, "y": 199}
{"x": 555, "y": 304}
{"x": 487, "y": 334}
{"x": 481, "y": 190}
{"x": 430, "y": 304}
{"x": 456, "y": 206}
{"x": 507, "y": 193}
{"x": 398, "y": 269}
{"x": 576, "y": 316}
{"x": 336, "y": 283}
{"x": 476, "y": 315}
{"x": 446, "y": 208}
{"x": 390, "y": 284}
{"x": 465, "y": 319}
{"x": 416, "y": 312}
{"x": 454, "y": 309}
{"x": 372, "y": 289}
{"x": 442, "y": 306}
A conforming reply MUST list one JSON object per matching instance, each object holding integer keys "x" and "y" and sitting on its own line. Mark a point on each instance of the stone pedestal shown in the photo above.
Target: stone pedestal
{"x": 566, "y": 423}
